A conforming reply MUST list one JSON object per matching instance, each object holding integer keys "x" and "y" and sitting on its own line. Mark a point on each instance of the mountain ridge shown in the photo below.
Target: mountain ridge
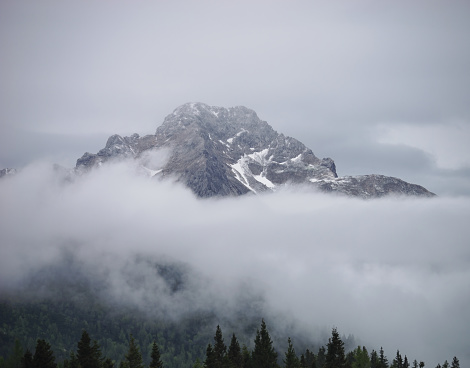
{"x": 217, "y": 151}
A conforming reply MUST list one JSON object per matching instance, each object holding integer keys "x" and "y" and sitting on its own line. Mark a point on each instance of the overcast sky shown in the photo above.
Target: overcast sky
{"x": 380, "y": 87}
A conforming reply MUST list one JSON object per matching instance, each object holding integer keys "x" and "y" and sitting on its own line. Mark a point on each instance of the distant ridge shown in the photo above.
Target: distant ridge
{"x": 7, "y": 172}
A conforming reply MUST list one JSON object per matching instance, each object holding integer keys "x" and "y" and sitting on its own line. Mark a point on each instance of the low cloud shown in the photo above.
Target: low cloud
{"x": 394, "y": 272}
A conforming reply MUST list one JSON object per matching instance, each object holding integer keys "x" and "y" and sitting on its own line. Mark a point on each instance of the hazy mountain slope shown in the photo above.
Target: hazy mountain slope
{"x": 7, "y": 172}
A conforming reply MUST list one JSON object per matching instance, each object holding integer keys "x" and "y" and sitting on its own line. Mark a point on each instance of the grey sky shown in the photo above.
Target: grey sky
{"x": 379, "y": 87}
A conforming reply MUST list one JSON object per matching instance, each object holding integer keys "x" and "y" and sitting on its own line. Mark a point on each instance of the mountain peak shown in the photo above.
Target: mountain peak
{"x": 231, "y": 120}
{"x": 199, "y": 107}
{"x": 219, "y": 151}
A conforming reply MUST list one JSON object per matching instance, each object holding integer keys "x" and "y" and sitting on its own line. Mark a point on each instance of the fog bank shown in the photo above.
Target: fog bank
{"x": 394, "y": 272}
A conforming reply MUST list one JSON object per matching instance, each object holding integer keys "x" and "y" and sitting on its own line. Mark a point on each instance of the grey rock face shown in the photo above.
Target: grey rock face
{"x": 7, "y": 172}
{"x": 116, "y": 147}
{"x": 372, "y": 186}
{"x": 219, "y": 151}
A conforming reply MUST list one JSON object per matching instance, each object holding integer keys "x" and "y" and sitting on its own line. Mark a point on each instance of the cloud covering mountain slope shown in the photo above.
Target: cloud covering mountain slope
{"x": 392, "y": 272}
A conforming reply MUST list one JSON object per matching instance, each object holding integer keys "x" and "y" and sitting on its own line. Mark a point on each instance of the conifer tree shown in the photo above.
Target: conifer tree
{"x": 361, "y": 358}
{"x": 264, "y": 355}
{"x": 398, "y": 361}
{"x": 383, "y": 359}
{"x": 15, "y": 357}
{"x": 74, "y": 363}
{"x": 321, "y": 357}
{"x": 455, "y": 363}
{"x": 406, "y": 364}
{"x": 133, "y": 356}
{"x": 349, "y": 360}
{"x": 374, "y": 360}
{"x": 209, "y": 361}
{"x": 335, "y": 357}
{"x": 234, "y": 354}
{"x": 155, "y": 355}
{"x": 96, "y": 353}
{"x": 88, "y": 355}
{"x": 43, "y": 356}
{"x": 27, "y": 360}
{"x": 247, "y": 359}
{"x": 108, "y": 363}
{"x": 220, "y": 350}
{"x": 291, "y": 360}
{"x": 310, "y": 359}
{"x": 314, "y": 363}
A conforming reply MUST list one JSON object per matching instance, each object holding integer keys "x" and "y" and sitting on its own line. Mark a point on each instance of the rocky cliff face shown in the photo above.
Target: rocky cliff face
{"x": 219, "y": 151}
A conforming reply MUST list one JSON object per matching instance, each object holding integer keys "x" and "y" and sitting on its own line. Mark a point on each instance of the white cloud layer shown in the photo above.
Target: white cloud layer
{"x": 393, "y": 272}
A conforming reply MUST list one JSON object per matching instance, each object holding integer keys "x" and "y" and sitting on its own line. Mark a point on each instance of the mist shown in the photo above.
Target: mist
{"x": 394, "y": 272}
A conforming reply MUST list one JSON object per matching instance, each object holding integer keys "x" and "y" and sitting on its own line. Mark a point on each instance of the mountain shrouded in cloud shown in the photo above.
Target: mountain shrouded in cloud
{"x": 220, "y": 151}
{"x": 380, "y": 87}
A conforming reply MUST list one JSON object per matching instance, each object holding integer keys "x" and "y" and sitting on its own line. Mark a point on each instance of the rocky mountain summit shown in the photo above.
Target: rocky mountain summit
{"x": 219, "y": 151}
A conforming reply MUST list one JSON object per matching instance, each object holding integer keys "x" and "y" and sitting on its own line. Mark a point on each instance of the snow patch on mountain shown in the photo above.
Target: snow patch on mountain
{"x": 244, "y": 173}
{"x": 230, "y": 140}
{"x": 265, "y": 181}
{"x": 240, "y": 169}
{"x": 260, "y": 156}
{"x": 152, "y": 172}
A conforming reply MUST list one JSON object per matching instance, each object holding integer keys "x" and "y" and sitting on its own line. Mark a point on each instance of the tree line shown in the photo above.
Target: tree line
{"x": 264, "y": 355}
{"x": 88, "y": 355}
{"x": 218, "y": 355}
{"x": 61, "y": 323}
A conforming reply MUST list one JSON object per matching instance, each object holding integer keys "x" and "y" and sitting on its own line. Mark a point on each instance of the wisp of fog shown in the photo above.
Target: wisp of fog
{"x": 394, "y": 272}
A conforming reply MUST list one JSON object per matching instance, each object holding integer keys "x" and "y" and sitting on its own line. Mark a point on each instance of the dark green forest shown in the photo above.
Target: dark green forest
{"x": 49, "y": 335}
{"x": 61, "y": 324}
